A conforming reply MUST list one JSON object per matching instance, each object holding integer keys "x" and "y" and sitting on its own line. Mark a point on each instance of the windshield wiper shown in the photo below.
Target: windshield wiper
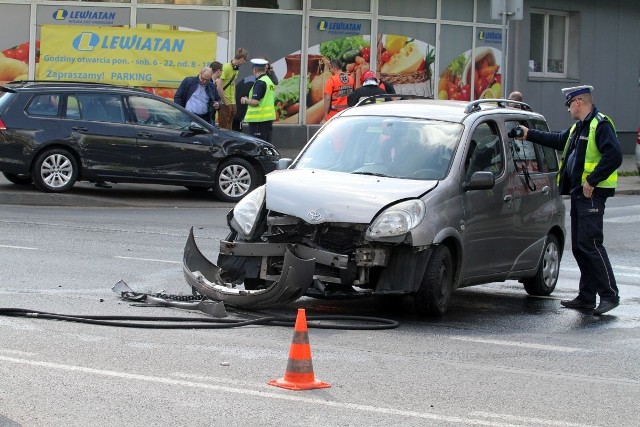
{"x": 369, "y": 173}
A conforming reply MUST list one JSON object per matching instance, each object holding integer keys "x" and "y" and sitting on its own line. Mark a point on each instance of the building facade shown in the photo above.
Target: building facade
{"x": 448, "y": 49}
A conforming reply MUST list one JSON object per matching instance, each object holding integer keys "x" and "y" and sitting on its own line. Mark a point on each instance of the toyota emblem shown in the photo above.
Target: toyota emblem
{"x": 314, "y": 216}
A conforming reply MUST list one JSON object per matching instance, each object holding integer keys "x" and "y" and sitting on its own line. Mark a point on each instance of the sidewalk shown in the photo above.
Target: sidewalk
{"x": 85, "y": 194}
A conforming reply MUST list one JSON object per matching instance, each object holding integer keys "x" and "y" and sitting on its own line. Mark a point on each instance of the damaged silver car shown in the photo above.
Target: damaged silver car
{"x": 411, "y": 197}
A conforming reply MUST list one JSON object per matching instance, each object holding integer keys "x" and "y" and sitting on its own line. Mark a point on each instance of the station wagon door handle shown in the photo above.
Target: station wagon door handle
{"x": 145, "y": 134}
{"x": 508, "y": 198}
{"x": 80, "y": 129}
{"x": 545, "y": 189}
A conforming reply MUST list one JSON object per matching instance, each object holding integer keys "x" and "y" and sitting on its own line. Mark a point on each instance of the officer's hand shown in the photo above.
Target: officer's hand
{"x": 587, "y": 190}
{"x": 525, "y": 131}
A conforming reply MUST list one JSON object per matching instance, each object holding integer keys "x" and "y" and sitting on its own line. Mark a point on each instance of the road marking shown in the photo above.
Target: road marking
{"x": 266, "y": 394}
{"x": 616, "y": 271}
{"x": 528, "y": 420}
{"x": 17, "y": 353}
{"x": 519, "y": 344}
{"x": 18, "y": 247}
{"x": 624, "y": 219}
{"x": 148, "y": 259}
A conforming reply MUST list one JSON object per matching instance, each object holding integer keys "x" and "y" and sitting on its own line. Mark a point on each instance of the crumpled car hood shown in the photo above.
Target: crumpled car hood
{"x": 319, "y": 196}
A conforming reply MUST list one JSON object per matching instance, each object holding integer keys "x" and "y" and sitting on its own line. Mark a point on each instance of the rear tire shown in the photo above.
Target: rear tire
{"x": 235, "y": 178}
{"x": 18, "y": 179}
{"x": 432, "y": 298}
{"x": 55, "y": 171}
{"x": 544, "y": 282}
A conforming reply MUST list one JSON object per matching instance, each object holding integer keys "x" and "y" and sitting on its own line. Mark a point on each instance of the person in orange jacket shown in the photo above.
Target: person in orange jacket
{"x": 338, "y": 87}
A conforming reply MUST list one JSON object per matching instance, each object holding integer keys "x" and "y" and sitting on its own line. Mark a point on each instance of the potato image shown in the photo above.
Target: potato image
{"x": 11, "y": 68}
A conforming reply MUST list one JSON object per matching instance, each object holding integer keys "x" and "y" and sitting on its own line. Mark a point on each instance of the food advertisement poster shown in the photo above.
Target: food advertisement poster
{"x": 14, "y": 44}
{"x": 124, "y": 56}
{"x": 458, "y": 81}
{"x": 404, "y": 62}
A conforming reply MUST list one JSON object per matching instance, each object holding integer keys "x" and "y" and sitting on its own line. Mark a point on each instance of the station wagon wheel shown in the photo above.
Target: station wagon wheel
{"x": 234, "y": 179}
{"x": 544, "y": 282}
{"x": 432, "y": 298}
{"x": 18, "y": 179}
{"x": 55, "y": 171}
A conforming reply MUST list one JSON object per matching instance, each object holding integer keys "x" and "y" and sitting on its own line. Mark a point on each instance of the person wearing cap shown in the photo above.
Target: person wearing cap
{"x": 588, "y": 173}
{"x": 370, "y": 87}
{"x": 227, "y": 88}
{"x": 261, "y": 110}
{"x": 336, "y": 90}
{"x": 198, "y": 94}
{"x": 242, "y": 89}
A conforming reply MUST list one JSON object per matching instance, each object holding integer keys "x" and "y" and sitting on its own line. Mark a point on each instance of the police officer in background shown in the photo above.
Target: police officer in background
{"x": 588, "y": 173}
{"x": 261, "y": 110}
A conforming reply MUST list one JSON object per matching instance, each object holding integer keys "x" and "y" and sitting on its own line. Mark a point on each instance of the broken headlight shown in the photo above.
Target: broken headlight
{"x": 397, "y": 220}
{"x": 247, "y": 210}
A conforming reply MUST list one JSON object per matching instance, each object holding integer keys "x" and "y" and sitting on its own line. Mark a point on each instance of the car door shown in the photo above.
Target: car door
{"x": 488, "y": 214}
{"x": 535, "y": 195}
{"x": 107, "y": 143}
{"x": 167, "y": 148}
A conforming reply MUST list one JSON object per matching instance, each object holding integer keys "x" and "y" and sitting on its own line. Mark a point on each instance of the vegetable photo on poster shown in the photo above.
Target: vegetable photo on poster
{"x": 457, "y": 81}
{"x": 14, "y": 61}
{"x": 404, "y": 62}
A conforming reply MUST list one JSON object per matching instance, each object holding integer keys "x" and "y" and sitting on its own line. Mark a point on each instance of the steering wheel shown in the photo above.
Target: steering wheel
{"x": 154, "y": 119}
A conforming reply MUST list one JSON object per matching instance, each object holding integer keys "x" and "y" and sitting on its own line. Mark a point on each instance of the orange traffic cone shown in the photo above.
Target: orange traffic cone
{"x": 299, "y": 374}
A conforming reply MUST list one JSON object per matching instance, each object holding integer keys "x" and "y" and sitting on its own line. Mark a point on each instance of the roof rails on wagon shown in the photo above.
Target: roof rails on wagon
{"x": 502, "y": 103}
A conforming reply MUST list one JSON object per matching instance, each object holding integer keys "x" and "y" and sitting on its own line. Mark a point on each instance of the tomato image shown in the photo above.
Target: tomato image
{"x": 385, "y": 57}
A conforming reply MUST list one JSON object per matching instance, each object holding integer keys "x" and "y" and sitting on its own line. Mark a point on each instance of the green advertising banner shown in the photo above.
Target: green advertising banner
{"x": 124, "y": 56}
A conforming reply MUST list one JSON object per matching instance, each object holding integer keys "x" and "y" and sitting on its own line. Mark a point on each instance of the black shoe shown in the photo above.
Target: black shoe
{"x": 577, "y": 303}
{"x": 605, "y": 306}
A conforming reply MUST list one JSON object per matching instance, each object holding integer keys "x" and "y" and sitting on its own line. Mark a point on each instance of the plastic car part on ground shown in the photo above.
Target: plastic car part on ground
{"x": 205, "y": 278}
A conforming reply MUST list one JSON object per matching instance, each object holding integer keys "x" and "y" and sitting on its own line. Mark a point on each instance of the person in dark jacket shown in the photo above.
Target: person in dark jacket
{"x": 370, "y": 87}
{"x": 588, "y": 173}
{"x": 198, "y": 94}
{"x": 242, "y": 89}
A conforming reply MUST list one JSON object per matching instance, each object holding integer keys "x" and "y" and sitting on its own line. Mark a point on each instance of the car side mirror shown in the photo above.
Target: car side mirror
{"x": 480, "y": 180}
{"x": 197, "y": 128}
{"x": 284, "y": 163}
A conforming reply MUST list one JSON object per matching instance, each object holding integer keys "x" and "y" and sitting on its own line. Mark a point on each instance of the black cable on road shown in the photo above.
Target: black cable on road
{"x": 373, "y": 323}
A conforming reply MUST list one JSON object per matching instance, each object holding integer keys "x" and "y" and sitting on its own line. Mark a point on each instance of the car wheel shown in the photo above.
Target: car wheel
{"x": 544, "y": 282}
{"x": 55, "y": 171}
{"x": 234, "y": 179}
{"x": 432, "y": 298}
{"x": 18, "y": 179}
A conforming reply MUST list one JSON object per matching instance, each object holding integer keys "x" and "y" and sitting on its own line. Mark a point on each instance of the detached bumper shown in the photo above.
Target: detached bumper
{"x": 205, "y": 278}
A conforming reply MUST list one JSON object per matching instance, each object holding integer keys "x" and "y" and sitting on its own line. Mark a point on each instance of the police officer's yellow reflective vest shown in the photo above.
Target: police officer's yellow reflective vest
{"x": 592, "y": 155}
{"x": 265, "y": 111}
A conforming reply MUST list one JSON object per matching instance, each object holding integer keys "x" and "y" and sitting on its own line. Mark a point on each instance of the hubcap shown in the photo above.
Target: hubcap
{"x": 551, "y": 264}
{"x": 56, "y": 171}
{"x": 235, "y": 181}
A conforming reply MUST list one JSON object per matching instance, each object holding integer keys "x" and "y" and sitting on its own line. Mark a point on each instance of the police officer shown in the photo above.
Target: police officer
{"x": 261, "y": 110}
{"x": 588, "y": 173}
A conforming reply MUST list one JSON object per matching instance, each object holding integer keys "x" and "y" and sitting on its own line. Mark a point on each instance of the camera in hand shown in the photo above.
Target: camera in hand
{"x": 516, "y": 133}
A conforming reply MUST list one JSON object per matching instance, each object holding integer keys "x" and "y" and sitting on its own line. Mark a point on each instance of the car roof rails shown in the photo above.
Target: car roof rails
{"x": 372, "y": 99}
{"x": 502, "y": 103}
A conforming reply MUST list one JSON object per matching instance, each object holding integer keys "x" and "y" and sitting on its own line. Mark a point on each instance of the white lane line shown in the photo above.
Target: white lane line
{"x": 262, "y": 394}
{"x": 528, "y": 420}
{"x": 148, "y": 259}
{"x": 18, "y": 247}
{"x": 519, "y": 344}
{"x": 623, "y": 219}
{"x": 17, "y": 352}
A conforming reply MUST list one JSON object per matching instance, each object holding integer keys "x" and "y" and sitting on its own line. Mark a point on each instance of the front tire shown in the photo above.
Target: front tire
{"x": 544, "y": 282}
{"x": 235, "y": 178}
{"x": 18, "y": 179}
{"x": 55, "y": 171}
{"x": 432, "y": 298}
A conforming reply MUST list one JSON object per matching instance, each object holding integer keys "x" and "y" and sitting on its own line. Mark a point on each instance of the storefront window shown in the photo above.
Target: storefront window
{"x": 355, "y": 5}
{"x": 272, "y": 4}
{"x": 484, "y": 13}
{"x": 411, "y": 8}
{"x": 547, "y": 46}
{"x": 14, "y": 44}
{"x": 283, "y": 53}
{"x": 406, "y": 56}
{"x": 191, "y": 2}
{"x": 457, "y": 10}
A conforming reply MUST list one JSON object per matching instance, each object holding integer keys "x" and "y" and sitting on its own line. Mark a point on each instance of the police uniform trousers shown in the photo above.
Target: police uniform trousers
{"x": 596, "y": 275}
{"x": 261, "y": 130}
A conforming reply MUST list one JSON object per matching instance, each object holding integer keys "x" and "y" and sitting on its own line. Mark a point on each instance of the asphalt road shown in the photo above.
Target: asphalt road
{"x": 497, "y": 358}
